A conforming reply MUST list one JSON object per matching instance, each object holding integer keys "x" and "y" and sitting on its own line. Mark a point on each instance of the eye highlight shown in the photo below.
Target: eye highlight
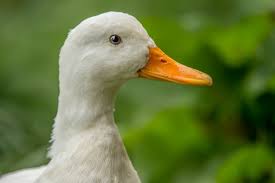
{"x": 115, "y": 39}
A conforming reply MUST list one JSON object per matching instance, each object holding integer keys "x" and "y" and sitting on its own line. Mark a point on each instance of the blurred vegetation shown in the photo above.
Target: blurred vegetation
{"x": 223, "y": 134}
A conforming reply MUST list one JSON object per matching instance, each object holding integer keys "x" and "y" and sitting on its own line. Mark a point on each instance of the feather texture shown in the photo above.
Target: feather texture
{"x": 86, "y": 145}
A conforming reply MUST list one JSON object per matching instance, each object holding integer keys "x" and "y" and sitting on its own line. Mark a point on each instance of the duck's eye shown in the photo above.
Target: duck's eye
{"x": 115, "y": 39}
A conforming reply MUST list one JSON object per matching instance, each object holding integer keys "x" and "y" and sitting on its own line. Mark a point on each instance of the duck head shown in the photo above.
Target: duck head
{"x": 98, "y": 56}
{"x": 113, "y": 47}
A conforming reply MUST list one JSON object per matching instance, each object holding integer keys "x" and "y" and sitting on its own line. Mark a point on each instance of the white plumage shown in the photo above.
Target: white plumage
{"x": 86, "y": 145}
{"x": 23, "y": 176}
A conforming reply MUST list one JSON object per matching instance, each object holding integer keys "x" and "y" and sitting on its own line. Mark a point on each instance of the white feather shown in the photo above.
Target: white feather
{"x": 86, "y": 145}
{"x": 23, "y": 176}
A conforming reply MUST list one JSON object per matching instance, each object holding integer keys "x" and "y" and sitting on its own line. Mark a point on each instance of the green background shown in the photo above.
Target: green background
{"x": 173, "y": 134}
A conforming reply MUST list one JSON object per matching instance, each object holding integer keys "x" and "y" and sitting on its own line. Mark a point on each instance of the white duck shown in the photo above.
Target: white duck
{"x": 99, "y": 55}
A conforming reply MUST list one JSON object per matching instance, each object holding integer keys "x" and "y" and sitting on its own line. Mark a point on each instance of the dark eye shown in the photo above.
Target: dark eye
{"x": 115, "y": 39}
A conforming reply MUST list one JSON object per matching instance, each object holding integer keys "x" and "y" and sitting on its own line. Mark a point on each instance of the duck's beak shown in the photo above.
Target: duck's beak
{"x": 162, "y": 67}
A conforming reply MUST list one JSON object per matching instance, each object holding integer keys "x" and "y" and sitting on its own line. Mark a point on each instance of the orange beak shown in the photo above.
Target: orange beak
{"x": 162, "y": 67}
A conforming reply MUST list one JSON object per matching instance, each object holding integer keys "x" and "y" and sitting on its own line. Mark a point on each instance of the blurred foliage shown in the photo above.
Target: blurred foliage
{"x": 250, "y": 164}
{"x": 223, "y": 134}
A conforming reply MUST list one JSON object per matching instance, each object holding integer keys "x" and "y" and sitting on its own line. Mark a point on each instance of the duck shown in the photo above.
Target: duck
{"x": 98, "y": 56}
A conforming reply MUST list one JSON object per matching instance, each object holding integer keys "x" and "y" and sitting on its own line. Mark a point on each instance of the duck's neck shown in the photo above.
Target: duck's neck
{"x": 81, "y": 111}
{"x": 86, "y": 144}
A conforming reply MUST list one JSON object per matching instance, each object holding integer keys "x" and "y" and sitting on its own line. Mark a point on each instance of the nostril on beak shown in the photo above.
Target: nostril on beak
{"x": 163, "y": 61}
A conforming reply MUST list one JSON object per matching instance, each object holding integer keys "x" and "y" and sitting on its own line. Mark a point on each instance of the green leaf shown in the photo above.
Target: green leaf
{"x": 253, "y": 163}
{"x": 237, "y": 43}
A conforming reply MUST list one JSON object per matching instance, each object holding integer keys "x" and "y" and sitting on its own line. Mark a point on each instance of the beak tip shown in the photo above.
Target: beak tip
{"x": 210, "y": 81}
{"x": 206, "y": 79}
